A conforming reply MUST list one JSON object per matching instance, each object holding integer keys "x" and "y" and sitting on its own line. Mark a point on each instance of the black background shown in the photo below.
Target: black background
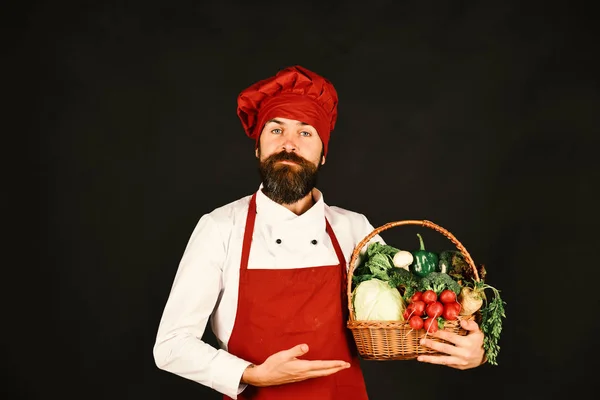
{"x": 479, "y": 116}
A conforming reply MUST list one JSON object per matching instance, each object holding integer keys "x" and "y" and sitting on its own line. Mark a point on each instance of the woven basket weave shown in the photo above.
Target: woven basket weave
{"x": 395, "y": 340}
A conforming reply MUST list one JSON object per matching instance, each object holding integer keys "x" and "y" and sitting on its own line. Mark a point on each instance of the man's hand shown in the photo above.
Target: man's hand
{"x": 285, "y": 367}
{"x": 464, "y": 352}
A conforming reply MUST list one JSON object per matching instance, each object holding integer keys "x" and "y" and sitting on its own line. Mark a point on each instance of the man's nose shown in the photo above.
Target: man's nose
{"x": 288, "y": 144}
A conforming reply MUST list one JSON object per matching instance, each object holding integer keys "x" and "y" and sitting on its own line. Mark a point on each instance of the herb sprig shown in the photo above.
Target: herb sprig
{"x": 491, "y": 322}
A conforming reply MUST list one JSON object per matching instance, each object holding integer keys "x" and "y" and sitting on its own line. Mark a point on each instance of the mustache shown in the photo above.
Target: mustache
{"x": 287, "y": 156}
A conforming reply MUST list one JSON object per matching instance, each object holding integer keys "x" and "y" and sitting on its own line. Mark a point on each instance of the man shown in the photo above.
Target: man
{"x": 269, "y": 270}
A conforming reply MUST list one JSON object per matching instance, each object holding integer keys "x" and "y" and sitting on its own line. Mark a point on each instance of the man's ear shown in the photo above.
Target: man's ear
{"x": 323, "y": 160}
{"x": 256, "y": 153}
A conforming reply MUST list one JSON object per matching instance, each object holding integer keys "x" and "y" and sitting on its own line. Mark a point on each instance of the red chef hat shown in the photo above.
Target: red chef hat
{"x": 294, "y": 93}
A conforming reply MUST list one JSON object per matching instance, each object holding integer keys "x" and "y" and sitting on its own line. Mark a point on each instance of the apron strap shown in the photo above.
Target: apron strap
{"x": 250, "y": 219}
{"x": 343, "y": 272}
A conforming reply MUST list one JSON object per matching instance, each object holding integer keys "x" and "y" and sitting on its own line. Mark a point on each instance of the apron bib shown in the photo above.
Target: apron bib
{"x": 279, "y": 309}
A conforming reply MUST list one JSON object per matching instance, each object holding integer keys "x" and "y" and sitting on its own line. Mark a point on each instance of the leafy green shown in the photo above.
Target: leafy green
{"x": 377, "y": 263}
{"x": 460, "y": 269}
{"x": 380, "y": 248}
{"x": 491, "y": 322}
{"x": 380, "y": 264}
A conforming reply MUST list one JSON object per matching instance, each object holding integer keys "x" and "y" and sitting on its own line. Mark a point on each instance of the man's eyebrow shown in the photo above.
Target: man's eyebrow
{"x": 281, "y": 123}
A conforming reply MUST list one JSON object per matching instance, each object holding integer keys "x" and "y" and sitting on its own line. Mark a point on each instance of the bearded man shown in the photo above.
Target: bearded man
{"x": 269, "y": 270}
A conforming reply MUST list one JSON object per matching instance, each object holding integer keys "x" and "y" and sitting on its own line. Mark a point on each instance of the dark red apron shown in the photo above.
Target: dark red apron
{"x": 281, "y": 308}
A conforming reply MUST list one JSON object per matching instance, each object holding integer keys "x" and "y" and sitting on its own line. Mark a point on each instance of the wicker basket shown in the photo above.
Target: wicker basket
{"x": 395, "y": 340}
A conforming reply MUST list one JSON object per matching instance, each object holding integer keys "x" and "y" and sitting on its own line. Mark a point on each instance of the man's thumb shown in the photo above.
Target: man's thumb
{"x": 469, "y": 325}
{"x": 299, "y": 350}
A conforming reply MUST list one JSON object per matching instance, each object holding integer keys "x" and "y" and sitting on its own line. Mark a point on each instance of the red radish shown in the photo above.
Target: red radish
{"x": 407, "y": 313}
{"x": 429, "y": 296}
{"x": 434, "y": 309}
{"x": 418, "y": 307}
{"x": 430, "y": 325}
{"x": 415, "y": 322}
{"x": 416, "y": 297}
{"x": 447, "y": 296}
{"x": 451, "y": 311}
{"x": 453, "y": 305}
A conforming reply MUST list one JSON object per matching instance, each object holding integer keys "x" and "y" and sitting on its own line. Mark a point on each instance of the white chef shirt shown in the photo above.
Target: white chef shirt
{"x": 206, "y": 283}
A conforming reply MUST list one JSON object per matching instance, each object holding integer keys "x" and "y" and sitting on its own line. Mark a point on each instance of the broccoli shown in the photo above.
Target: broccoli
{"x": 438, "y": 281}
{"x": 405, "y": 281}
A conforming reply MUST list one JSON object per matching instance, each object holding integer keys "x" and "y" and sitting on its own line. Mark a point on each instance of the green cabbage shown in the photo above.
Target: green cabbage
{"x": 376, "y": 300}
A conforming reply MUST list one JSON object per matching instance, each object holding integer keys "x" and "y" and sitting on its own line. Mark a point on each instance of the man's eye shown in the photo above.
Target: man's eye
{"x": 276, "y": 130}
{"x": 305, "y": 133}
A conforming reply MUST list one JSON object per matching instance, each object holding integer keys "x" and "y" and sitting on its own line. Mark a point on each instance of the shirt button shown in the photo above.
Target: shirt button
{"x": 313, "y": 241}
{"x": 278, "y": 241}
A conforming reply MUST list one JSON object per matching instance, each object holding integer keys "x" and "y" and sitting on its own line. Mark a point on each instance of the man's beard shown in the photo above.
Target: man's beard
{"x": 285, "y": 183}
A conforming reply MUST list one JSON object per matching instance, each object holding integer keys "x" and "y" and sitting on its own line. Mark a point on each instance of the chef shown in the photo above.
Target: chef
{"x": 268, "y": 271}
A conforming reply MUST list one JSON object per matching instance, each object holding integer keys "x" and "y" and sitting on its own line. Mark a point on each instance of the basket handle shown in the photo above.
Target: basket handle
{"x": 425, "y": 223}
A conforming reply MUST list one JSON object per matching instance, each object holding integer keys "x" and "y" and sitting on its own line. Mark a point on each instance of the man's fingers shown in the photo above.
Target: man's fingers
{"x": 312, "y": 365}
{"x": 440, "y": 360}
{"x": 285, "y": 367}
{"x": 440, "y": 346}
{"x": 451, "y": 337}
{"x": 326, "y": 371}
{"x": 317, "y": 365}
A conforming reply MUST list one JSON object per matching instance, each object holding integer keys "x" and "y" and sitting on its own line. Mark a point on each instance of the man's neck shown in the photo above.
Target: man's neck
{"x": 301, "y": 206}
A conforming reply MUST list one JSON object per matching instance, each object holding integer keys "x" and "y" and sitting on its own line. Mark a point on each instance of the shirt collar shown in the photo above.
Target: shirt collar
{"x": 273, "y": 213}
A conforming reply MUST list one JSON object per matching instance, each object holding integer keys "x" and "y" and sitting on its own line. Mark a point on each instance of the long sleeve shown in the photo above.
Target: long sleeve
{"x": 198, "y": 282}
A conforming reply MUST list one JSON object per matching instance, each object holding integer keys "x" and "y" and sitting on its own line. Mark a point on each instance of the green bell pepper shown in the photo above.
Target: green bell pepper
{"x": 424, "y": 261}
